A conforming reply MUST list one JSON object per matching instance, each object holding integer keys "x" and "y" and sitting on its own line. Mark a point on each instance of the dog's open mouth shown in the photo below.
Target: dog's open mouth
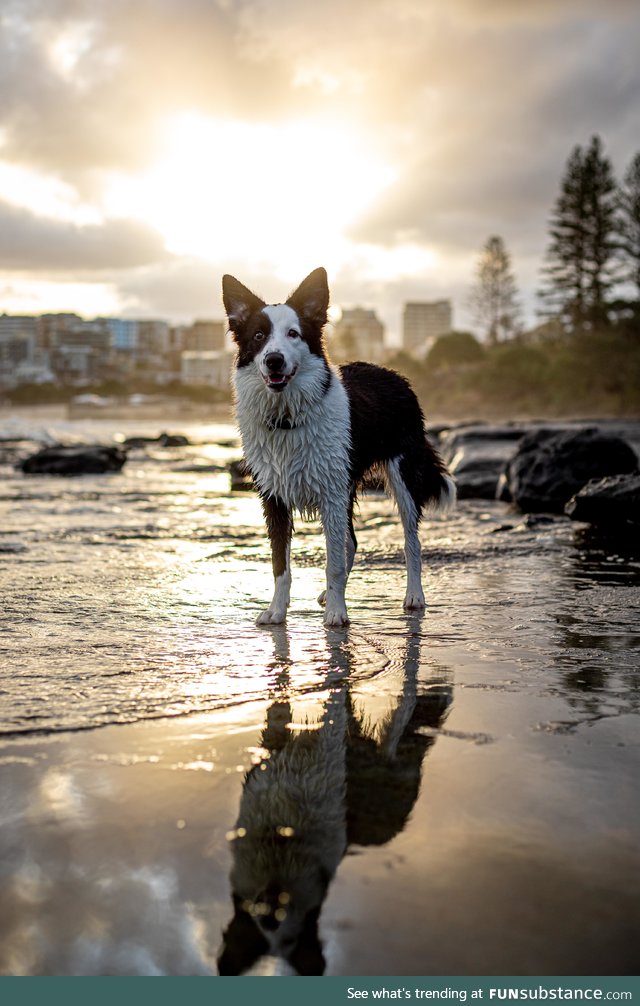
{"x": 278, "y": 381}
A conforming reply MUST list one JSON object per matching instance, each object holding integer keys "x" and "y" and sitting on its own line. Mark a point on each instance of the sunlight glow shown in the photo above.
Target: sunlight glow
{"x": 26, "y": 296}
{"x": 44, "y": 195}
{"x": 70, "y": 46}
{"x": 379, "y": 263}
{"x": 280, "y": 194}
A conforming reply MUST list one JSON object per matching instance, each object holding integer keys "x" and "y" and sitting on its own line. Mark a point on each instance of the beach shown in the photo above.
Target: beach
{"x": 474, "y": 806}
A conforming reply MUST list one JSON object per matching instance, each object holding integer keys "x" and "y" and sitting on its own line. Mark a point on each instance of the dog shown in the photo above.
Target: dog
{"x": 311, "y": 432}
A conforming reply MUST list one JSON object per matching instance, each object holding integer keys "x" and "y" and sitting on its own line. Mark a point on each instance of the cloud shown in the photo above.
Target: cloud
{"x": 181, "y": 290}
{"x": 476, "y": 104}
{"x": 41, "y": 244}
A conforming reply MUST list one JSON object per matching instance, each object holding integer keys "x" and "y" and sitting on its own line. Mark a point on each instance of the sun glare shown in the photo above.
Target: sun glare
{"x": 23, "y": 295}
{"x": 44, "y": 195}
{"x": 282, "y": 195}
{"x": 69, "y": 46}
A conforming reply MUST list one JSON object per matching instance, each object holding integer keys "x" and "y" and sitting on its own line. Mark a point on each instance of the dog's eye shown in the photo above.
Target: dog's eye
{"x": 260, "y": 336}
{"x": 293, "y": 334}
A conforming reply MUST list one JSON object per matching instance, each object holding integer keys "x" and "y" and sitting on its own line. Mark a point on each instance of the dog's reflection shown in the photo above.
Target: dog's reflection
{"x": 319, "y": 787}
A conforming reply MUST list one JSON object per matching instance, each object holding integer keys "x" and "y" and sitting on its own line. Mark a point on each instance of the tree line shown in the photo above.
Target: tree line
{"x": 583, "y": 359}
{"x": 591, "y": 272}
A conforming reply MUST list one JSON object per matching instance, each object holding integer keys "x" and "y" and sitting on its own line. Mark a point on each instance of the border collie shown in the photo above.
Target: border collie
{"x": 311, "y": 432}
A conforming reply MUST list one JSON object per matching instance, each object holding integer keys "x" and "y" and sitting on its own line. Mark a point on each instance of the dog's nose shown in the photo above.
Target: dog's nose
{"x": 274, "y": 362}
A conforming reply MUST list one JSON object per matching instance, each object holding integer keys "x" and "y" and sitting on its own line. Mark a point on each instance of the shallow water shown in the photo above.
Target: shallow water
{"x": 489, "y": 748}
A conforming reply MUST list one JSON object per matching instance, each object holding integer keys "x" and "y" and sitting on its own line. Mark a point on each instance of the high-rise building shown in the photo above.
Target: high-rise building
{"x": 207, "y": 367}
{"x": 359, "y": 335}
{"x": 18, "y": 338}
{"x": 423, "y": 322}
{"x": 123, "y": 332}
{"x": 153, "y": 335}
{"x": 205, "y": 336}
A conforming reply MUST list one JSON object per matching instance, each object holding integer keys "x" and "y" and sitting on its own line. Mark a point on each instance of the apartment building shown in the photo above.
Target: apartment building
{"x": 422, "y": 323}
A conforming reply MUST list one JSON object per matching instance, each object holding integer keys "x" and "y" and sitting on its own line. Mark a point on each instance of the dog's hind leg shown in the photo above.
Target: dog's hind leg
{"x": 279, "y": 526}
{"x": 410, "y": 513}
{"x": 351, "y": 546}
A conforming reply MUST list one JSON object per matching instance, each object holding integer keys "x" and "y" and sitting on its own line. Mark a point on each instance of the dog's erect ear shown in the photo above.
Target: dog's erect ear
{"x": 311, "y": 300}
{"x": 239, "y": 303}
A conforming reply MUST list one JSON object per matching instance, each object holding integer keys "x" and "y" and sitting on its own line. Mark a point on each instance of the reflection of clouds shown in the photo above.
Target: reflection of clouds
{"x": 88, "y": 885}
{"x": 59, "y": 796}
{"x": 107, "y": 921}
{"x": 30, "y": 883}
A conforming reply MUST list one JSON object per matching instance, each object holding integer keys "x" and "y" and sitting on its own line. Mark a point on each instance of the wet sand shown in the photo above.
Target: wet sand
{"x": 451, "y": 794}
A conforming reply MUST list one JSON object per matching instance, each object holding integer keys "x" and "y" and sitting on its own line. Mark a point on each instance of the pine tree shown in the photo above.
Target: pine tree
{"x": 494, "y": 298}
{"x": 629, "y": 198}
{"x": 583, "y": 255}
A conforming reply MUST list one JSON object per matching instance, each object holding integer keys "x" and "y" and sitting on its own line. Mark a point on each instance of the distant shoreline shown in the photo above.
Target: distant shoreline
{"x": 175, "y": 410}
{"x": 168, "y": 409}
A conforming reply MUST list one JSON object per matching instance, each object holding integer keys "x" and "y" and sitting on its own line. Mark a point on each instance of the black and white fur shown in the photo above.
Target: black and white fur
{"x": 310, "y": 432}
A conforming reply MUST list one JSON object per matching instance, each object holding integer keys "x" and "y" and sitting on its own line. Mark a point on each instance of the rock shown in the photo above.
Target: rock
{"x": 607, "y": 502}
{"x": 200, "y": 468}
{"x": 453, "y": 437}
{"x": 163, "y": 440}
{"x": 137, "y": 443}
{"x": 548, "y": 467}
{"x": 477, "y": 456}
{"x": 173, "y": 440}
{"x": 477, "y": 478}
{"x": 82, "y": 460}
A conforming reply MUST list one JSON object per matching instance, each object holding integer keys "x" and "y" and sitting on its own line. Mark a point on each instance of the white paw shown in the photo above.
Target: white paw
{"x": 336, "y": 617}
{"x": 414, "y": 601}
{"x": 322, "y": 598}
{"x": 271, "y": 617}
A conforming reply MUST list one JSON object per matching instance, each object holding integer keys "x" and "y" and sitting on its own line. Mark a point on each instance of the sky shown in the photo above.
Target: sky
{"x": 147, "y": 148}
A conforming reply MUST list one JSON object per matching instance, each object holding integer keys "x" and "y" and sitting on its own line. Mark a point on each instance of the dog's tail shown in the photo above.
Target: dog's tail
{"x": 440, "y": 491}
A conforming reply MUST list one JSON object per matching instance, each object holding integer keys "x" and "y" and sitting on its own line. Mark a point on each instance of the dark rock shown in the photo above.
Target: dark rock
{"x": 240, "y": 476}
{"x": 476, "y": 477}
{"x": 200, "y": 469}
{"x": 137, "y": 443}
{"x": 477, "y": 456}
{"x": 548, "y": 467}
{"x": 173, "y": 440}
{"x": 452, "y": 438}
{"x": 82, "y": 460}
{"x": 608, "y": 502}
{"x": 163, "y": 440}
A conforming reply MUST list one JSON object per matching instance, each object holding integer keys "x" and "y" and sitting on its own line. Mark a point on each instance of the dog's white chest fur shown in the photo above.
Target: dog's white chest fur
{"x": 305, "y": 466}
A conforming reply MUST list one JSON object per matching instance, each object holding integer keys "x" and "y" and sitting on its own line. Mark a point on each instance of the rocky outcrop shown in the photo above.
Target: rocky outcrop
{"x": 76, "y": 460}
{"x": 548, "y": 467}
{"x": 610, "y": 502}
{"x": 477, "y": 456}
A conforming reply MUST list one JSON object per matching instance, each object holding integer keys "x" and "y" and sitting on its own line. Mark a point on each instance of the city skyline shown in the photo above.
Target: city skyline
{"x": 145, "y": 151}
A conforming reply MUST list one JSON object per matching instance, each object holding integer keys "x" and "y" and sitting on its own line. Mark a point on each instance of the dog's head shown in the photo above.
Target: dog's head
{"x": 280, "y": 339}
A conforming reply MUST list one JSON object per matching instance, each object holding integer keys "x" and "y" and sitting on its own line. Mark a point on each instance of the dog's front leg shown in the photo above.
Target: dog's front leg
{"x": 334, "y": 522}
{"x": 279, "y": 525}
